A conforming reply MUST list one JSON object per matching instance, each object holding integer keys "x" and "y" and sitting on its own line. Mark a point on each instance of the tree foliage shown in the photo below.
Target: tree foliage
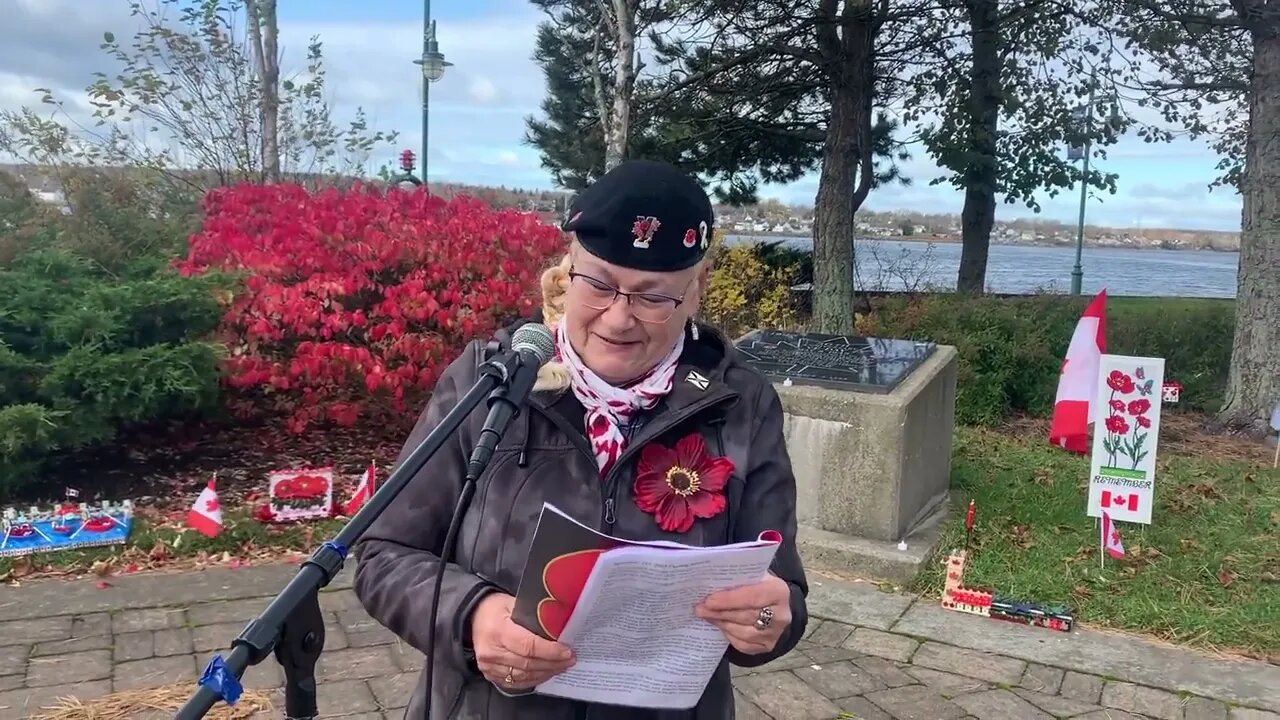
{"x": 997, "y": 90}
{"x": 187, "y": 95}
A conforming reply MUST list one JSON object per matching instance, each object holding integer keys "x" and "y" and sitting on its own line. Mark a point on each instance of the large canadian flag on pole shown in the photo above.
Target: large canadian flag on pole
{"x": 205, "y": 514}
{"x": 1074, "y": 409}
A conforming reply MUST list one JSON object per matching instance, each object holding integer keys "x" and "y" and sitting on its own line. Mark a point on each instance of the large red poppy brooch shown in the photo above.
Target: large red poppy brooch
{"x": 678, "y": 484}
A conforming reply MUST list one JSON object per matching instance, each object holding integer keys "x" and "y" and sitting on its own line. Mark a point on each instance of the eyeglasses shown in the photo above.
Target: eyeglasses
{"x": 645, "y": 306}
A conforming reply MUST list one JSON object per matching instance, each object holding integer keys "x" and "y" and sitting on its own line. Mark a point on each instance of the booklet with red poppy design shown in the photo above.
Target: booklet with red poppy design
{"x": 627, "y": 610}
{"x": 561, "y": 558}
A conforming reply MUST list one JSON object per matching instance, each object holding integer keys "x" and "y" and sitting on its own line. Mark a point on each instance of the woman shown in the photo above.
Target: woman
{"x": 632, "y": 370}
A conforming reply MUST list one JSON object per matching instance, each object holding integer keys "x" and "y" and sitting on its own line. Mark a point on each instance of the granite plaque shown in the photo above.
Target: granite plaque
{"x": 861, "y": 364}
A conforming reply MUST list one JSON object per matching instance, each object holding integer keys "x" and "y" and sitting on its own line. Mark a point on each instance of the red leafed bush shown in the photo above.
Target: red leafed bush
{"x": 353, "y": 301}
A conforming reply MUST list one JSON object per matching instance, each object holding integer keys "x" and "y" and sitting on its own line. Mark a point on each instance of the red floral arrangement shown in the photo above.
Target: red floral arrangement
{"x": 353, "y": 301}
{"x": 679, "y": 484}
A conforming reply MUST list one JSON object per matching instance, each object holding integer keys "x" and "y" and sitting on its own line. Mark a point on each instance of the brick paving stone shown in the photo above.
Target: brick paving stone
{"x": 992, "y": 668}
{"x": 884, "y": 671}
{"x": 1042, "y": 679}
{"x": 393, "y": 692}
{"x": 819, "y": 654}
{"x": 73, "y": 668}
{"x": 882, "y": 644}
{"x": 25, "y": 702}
{"x": 839, "y": 680}
{"x": 1198, "y": 708}
{"x": 862, "y": 709}
{"x": 830, "y": 633}
{"x": 174, "y": 641}
{"x": 138, "y": 645}
{"x": 155, "y": 672}
{"x": 744, "y": 709}
{"x": 345, "y": 697}
{"x": 1078, "y": 686}
{"x": 226, "y": 611}
{"x": 1109, "y": 714}
{"x": 998, "y": 705}
{"x": 915, "y": 702}
{"x": 12, "y": 656}
{"x": 947, "y": 683}
{"x": 21, "y": 632}
{"x": 92, "y": 625}
{"x": 13, "y": 682}
{"x": 1056, "y": 705}
{"x": 147, "y": 619}
{"x": 63, "y": 647}
{"x": 783, "y": 695}
{"x": 355, "y": 664}
{"x": 1240, "y": 713}
{"x": 1139, "y": 699}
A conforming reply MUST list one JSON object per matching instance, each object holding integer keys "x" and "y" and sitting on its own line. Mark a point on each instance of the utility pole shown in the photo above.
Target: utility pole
{"x": 433, "y": 65}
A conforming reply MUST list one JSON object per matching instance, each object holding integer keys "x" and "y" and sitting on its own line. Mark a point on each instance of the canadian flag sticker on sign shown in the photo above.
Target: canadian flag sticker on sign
{"x": 1113, "y": 500}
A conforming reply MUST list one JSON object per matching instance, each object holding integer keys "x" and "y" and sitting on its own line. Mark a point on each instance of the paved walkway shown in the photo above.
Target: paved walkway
{"x": 868, "y": 655}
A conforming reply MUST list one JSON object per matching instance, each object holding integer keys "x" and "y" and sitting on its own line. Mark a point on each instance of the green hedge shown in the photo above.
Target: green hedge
{"x": 97, "y": 333}
{"x": 1011, "y": 349}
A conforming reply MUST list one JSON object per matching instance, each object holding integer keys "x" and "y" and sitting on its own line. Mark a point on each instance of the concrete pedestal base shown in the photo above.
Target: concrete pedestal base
{"x": 873, "y": 470}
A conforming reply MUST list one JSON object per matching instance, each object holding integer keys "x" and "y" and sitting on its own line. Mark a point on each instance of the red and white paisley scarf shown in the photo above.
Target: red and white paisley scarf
{"x": 609, "y": 407}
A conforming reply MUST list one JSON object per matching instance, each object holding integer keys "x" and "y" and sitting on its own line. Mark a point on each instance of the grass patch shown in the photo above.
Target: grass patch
{"x": 1206, "y": 572}
{"x": 160, "y": 541}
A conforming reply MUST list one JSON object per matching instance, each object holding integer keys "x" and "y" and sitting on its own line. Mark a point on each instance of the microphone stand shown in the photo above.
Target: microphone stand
{"x": 292, "y": 626}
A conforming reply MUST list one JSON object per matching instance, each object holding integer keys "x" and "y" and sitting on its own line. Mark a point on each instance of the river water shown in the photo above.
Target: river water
{"x": 888, "y": 265}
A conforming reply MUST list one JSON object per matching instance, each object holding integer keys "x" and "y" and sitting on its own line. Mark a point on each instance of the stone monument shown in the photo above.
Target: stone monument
{"x": 869, "y": 424}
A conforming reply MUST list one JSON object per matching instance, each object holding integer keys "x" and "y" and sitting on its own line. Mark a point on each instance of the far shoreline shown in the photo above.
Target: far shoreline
{"x": 952, "y": 240}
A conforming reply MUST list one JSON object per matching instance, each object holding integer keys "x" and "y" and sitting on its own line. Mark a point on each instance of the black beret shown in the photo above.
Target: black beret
{"x": 644, "y": 215}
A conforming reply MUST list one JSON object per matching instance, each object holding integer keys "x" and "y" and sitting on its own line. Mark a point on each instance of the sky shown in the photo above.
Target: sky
{"x": 479, "y": 108}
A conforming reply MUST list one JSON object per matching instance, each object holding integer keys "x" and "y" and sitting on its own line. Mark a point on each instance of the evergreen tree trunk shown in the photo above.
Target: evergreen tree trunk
{"x": 978, "y": 216}
{"x": 1253, "y": 384}
{"x": 846, "y": 174}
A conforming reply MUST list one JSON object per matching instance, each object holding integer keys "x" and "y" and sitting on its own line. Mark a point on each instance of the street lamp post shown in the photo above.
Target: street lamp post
{"x": 433, "y": 66}
{"x": 1077, "y": 272}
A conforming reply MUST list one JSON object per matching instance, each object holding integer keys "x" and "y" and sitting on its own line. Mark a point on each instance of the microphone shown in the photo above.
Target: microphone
{"x": 517, "y": 369}
{"x": 531, "y": 347}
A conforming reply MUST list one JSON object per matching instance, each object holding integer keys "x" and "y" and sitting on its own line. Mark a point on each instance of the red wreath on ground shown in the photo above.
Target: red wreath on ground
{"x": 678, "y": 484}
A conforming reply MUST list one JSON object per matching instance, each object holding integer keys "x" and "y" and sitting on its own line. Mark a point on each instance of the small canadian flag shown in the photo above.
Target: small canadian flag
{"x": 364, "y": 491}
{"x": 1111, "y": 537}
{"x": 206, "y": 514}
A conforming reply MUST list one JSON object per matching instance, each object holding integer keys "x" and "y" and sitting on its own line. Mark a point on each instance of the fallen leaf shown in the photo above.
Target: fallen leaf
{"x": 1225, "y": 577}
{"x": 102, "y": 584}
{"x": 1081, "y": 591}
{"x": 1042, "y": 477}
{"x": 1188, "y": 544}
{"x": 1275, "y": 517}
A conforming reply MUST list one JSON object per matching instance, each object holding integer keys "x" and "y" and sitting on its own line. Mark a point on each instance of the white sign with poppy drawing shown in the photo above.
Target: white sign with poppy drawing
{"x": 1122, "y": 472}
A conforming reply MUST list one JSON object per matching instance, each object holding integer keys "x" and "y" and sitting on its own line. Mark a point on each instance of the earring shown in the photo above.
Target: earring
{"x": 693, "y": 329}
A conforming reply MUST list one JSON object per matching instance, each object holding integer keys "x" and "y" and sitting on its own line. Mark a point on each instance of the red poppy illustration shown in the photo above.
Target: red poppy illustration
{"x": 1120, "y": 382}
{"x": 1117, "y": 405}
{"x": 1143, "y": 421}
{"x": 1117, "y": 424}
{"x": 563, "y": 578}
{"x": 679, "y": 484}
{"x": 1139, "y": 406}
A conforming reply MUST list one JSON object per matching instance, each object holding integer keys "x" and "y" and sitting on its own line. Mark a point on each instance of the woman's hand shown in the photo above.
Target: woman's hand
{"x": 510, "y": 656}
{"x": 740, "y": 612}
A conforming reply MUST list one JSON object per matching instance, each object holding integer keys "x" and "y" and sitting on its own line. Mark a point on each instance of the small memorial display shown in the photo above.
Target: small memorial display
{"x": 68, "y": 526}
{"x": 301, "y": 494}
{"x": 863, "y": 364}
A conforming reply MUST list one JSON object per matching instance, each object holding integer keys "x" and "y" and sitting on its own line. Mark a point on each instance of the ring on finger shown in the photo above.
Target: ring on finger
{"x": 764, "y": 618}
{"x": 509, "y": 679}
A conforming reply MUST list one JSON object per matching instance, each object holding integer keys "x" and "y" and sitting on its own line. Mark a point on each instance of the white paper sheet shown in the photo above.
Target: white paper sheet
{"x": 637, "y": 640}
